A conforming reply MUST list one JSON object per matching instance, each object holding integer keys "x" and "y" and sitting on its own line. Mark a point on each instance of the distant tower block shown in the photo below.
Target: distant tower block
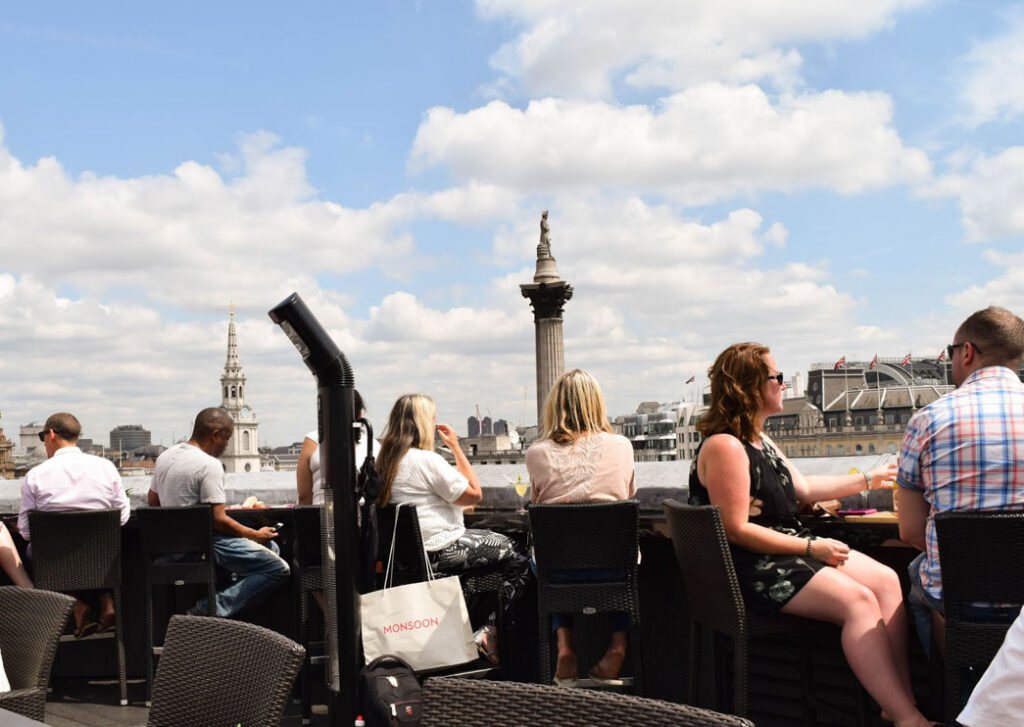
{"x": 548, "y": 295}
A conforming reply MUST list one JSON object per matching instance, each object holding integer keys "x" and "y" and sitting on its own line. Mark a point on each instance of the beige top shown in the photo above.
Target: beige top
{"x": 594, "y": 468}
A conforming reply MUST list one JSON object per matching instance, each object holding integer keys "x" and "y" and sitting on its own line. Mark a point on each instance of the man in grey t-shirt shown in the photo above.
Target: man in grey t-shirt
{"x": 189, "y": 473}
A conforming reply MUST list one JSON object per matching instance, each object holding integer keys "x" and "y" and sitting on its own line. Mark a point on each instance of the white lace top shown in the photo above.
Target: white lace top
{"x": 594, "y": 468}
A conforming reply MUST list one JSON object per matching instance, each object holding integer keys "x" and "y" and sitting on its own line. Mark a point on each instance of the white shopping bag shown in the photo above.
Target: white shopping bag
{"x": 426, "y": 624}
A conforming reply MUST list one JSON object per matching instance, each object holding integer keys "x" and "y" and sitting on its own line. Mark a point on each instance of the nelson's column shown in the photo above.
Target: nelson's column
{"x": 548, "y": 294}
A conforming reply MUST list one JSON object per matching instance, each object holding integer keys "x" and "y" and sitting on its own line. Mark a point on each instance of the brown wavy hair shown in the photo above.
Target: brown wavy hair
{"x": 736, "y": 376}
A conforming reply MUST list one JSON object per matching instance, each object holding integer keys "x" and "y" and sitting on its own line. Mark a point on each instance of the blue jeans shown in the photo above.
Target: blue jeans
{"x": 255, "y": 570}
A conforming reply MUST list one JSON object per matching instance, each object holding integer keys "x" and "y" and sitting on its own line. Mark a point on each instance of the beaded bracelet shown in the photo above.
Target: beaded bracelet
{"x": 808, "y": 553}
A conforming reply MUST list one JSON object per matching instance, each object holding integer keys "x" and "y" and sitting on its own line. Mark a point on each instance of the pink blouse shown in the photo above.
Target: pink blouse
{"x": 594, "y": 468}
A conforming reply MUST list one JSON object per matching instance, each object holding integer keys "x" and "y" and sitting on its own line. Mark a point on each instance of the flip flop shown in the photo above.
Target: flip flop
{"x": 86, "y": 629}
{"x": 566, "y": 682}
{"x": 103, "y": 629}
{"x": 605, "y": 682}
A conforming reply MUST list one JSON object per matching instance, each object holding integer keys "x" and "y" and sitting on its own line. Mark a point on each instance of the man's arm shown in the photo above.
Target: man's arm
{"x": 227, "y": 525}
{"x": 154, "y": 499}
{"x": 28, "y": 503}
{"x": 913, "y": 517}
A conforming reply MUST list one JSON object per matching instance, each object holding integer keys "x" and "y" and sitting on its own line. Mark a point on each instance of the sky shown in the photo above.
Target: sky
{"x": 831, "y": 179}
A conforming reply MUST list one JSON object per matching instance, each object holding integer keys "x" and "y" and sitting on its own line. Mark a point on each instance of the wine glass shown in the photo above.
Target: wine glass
{"x": 521, "y": 488}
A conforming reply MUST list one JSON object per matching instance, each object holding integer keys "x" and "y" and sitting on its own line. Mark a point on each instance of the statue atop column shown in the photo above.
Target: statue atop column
{"x": 544, "y": 248}
{"x": 546, "y": 270}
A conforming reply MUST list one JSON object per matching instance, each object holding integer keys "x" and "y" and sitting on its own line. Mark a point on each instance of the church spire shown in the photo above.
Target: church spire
{"x": 232, "y": 365}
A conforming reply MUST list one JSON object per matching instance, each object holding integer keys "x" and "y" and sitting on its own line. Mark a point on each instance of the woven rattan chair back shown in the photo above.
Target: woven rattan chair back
{"x": 599, "y": 536}
{"x": 482, "y": 703}
{"x": 92, "y": 563}
{"x": 174, "y": 531}
{"x": 585, "y": 536}
{"x": 982, "y": 557}
{"x": 221, "y": 672}
{"x": 31, "y": 622}
{"x": 409, "y": 567}
{"x": 714, "y": 600}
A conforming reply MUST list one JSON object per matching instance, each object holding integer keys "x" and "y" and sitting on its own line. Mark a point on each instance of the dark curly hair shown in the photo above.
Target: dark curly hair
{"x": 736, "y": 375}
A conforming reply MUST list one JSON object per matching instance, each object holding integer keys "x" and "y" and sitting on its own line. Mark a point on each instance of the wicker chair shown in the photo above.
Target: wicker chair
{"x": 982, "y": 556}
{"x": 307, "y": 577}
{"x": 174, "y": 531}
{"x": 93, "y": 564}
{"x": 31, "y": 622}
{"x": 587, "y": 536}
{"x": 221, "y": 672}
{"x": 482, "y": 703}
{"x": 715, "y": 602}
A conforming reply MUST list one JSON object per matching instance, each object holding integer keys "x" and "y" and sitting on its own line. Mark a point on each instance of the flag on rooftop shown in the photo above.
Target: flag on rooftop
{"x": 691, "y": 379}
{"x": 874, "y": 362}
{"x": 906, "y": 360}
{"x": 840, "y": 363}
{"x": 942, "y": 356}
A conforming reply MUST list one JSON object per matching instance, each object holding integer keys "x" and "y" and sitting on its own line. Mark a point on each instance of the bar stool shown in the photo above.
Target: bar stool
{"x": 598, "y": 536}
{"x": 80, "y": 550}
{"x": 177, "y": 546}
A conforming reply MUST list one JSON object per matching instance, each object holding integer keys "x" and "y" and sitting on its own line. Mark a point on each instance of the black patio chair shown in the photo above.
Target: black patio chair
{"x": 92, "y": 564}
{"x": 982, "y": 557}
{"x": 218, "y": 671}
{"x": 482, "y": 703}
{"x": 177, "y": 546}
{"x": 587, "y": 537}
{"x": 716, "y": 603}
{"x": 31, "y": 622}
{"x": 307, "y": 577}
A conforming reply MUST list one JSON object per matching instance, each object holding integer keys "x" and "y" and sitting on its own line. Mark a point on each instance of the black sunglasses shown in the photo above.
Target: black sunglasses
{"x": 954, "y": 346}
{"x": 42, "y": 434}
{"x": 779, "y": 378}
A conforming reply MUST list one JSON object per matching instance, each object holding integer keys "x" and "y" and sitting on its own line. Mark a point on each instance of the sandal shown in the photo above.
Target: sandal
{"x": 485, "y": 639}
{"x": 86, "y": 629}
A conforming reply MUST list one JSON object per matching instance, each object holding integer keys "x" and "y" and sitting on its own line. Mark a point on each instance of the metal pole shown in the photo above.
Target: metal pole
{"x": 335, "y": 383}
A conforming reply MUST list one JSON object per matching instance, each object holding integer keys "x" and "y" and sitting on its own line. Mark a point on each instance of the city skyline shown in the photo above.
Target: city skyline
{"x": 836, "y": 179}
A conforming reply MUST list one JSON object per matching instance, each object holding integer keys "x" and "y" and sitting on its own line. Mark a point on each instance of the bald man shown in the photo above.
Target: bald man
{"x": 189, "y": 473}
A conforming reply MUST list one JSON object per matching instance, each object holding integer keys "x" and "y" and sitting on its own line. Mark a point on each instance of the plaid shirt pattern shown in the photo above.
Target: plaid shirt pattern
{"x": 965, "y": 451}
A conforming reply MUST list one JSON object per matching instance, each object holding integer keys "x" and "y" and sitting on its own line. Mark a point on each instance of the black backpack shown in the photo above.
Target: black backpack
{"x": 391, "y": 693}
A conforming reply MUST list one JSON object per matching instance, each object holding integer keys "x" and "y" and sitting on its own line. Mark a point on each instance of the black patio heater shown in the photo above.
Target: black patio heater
{"x": 335, "y": 384}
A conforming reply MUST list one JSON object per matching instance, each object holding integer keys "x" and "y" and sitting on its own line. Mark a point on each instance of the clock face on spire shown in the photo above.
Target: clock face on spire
{"x": 246, "y": 411}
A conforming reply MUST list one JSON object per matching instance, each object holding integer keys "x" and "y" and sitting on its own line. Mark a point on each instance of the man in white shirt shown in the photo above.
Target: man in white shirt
{"x": 189, "y": 473}
{"x": 73, "y": 480}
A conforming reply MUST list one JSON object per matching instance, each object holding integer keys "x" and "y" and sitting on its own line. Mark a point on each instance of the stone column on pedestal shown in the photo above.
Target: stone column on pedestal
{"x": 548, "y": 295}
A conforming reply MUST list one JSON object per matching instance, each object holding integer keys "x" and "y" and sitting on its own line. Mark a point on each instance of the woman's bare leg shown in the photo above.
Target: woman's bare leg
{"x": 611, "y": 663}
{"x": 566, "y": 667}
{"x": 885, "y": 584}
{"x": 836, "y": 598}
{"x": 10, "y": 561}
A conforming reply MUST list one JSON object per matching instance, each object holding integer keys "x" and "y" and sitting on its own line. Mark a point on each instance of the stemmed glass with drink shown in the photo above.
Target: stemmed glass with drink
{"x": 521, "y": 488}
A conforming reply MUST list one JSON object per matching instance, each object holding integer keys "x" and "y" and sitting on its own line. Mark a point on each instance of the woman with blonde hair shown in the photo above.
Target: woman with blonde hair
{"x": 779, "y": 564}
{"x": 579, "y": 459}
{"x": 413, "y": 473}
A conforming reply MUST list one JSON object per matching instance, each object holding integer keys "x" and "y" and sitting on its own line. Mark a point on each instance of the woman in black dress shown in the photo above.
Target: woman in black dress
{"x": 779, "y": 565}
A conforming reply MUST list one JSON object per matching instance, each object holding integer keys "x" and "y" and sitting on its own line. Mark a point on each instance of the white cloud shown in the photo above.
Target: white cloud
{"x": 990, "y": 191}
{"x": 1006, "y": 289}
{"x": 576, "y": 49}
{"x": 992, "y": 76}
{"x": 709, "y": 142}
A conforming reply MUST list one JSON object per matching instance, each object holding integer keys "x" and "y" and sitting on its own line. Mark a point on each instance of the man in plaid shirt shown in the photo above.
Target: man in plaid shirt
{"x": 964, "y": 451}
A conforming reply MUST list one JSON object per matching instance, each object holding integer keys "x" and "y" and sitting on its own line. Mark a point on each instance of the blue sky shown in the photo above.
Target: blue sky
{"x": 831, "y": 179}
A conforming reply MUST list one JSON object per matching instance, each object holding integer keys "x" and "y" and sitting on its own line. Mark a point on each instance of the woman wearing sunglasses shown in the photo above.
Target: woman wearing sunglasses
{"x": 780, "y": 566}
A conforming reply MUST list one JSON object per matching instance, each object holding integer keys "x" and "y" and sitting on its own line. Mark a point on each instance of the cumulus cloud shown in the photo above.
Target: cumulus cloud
{"x": 1005, "y": 289}
{"x": 990, "y": 192}
{"x": 706, "y": 143}
{"x": 992, "y": 76}
{"x": 576, "y": 49}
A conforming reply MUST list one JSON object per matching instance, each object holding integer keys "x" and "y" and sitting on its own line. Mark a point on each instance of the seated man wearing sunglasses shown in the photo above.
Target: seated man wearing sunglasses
{"x": 965, "y": 451}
